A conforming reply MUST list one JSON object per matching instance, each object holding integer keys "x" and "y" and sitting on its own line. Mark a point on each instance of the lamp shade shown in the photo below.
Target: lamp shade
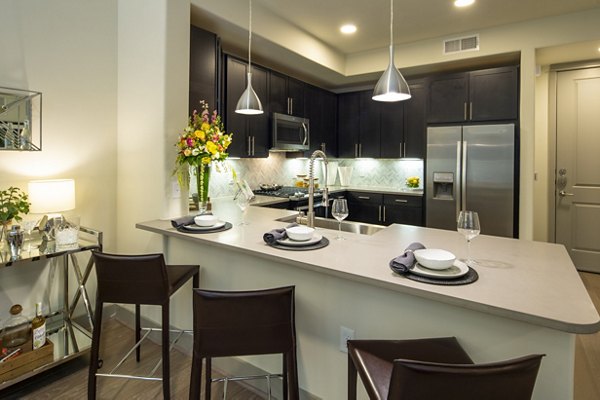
{"x": 249, "y": 103}
{"x": 51, "y": 196}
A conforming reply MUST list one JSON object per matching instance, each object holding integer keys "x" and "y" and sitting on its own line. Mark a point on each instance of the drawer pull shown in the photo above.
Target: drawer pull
{"x": 364, "y": 197}
{"x": 401, "y": 201}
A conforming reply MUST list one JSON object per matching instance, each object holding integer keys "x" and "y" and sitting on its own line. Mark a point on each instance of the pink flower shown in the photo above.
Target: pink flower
{"x": 190, "y": 142}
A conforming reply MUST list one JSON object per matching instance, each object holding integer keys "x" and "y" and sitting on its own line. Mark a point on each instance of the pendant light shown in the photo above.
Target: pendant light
{"x": 249, "y": 103}
{"x": 391, "y": 86}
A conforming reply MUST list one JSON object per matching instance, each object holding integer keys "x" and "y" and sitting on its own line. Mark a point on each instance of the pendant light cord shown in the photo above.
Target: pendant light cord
{"x": 250, "y": 37}
{"x": 391, "y": 22}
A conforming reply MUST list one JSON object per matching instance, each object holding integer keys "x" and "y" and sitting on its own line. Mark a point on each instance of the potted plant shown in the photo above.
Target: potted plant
{"x": 13, "y": 203}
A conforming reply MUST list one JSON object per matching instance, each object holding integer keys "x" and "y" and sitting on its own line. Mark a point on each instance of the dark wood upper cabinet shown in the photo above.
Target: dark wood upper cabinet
{"x": 348, "y": 124}
{"x": 415, "y": 120}
{"x": 286, "y": 95}
{"x": 321, "y": 111}
{"x": 483, "y": 95}
{"x": 203, "y": 68}
{"x": 392, "y": 129}
{"x": 250, "y": 132}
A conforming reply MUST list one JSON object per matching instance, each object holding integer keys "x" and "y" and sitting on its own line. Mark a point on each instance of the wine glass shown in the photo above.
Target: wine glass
{"x": 339, "y": 210}
{"x": 468, "y": 226}
{"x": 242, "y": 201}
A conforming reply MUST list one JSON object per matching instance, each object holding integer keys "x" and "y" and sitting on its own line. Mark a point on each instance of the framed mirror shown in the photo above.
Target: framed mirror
{"x": 20, "y": 120}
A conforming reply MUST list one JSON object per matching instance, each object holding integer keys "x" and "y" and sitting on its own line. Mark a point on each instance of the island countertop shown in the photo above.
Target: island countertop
{"x": 534, "y": 282}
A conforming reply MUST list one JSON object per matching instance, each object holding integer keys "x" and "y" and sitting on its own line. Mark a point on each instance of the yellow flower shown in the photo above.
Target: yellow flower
{"x": 205, "y": 126}
{"x": 206, "y": 160}
{"x": 211, "y": 147}
{"x": 200, "y": 134}
{"x": 187, "y": 152}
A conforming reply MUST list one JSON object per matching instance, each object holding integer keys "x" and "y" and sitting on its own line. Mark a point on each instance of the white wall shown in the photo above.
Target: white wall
{"x": 67, "y": 50}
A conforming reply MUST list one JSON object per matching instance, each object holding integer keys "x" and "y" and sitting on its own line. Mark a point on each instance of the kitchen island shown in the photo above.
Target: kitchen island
{"x": 528, "y": 299}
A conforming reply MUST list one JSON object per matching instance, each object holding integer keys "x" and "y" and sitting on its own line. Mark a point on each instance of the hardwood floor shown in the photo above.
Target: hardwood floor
{"x": 587, "y": 349}
{"x": 69, "y": 381}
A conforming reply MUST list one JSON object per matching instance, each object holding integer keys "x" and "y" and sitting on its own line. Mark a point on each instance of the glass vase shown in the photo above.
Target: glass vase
{"x": 202, "y": 183}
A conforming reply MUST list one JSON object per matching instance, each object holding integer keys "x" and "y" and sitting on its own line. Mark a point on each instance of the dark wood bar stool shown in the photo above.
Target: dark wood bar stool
{"x": 243, "y": 323}
{"x": 137, "y": 279}
{"x": 437, "y": 368}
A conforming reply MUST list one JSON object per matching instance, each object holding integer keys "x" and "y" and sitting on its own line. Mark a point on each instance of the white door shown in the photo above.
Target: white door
{"x": 578, "y": 166}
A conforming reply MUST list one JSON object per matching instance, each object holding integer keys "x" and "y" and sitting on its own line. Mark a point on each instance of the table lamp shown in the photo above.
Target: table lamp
{"x": 51, "y": 197}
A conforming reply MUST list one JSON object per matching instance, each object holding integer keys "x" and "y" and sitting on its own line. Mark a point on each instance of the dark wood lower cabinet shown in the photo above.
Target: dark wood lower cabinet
{"x": 385, "y": 209}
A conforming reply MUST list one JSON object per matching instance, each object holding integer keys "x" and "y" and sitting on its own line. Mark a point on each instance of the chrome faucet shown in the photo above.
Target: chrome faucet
{"x": 310, "y": 213}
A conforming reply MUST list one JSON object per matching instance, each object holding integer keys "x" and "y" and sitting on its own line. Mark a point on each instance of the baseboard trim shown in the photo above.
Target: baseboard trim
{"x": 226, "y": 366}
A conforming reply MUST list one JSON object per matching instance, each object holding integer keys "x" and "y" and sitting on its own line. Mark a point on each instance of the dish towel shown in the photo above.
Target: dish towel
{"x": 276, "y": 234}
{"x": 187, "y": 220}
{"x": 404, "y": 262}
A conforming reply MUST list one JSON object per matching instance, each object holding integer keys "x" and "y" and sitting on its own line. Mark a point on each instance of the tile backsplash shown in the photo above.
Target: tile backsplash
{"x": 281, "y": 170}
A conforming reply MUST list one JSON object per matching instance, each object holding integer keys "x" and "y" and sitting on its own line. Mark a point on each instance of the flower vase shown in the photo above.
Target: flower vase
{"x": 4, "y": 234}
{"x": 202, "y": 184}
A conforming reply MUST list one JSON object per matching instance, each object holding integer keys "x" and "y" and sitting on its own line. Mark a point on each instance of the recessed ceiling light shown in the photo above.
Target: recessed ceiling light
{"x": 348, "y": 29}
{"x": 463, "y": 3}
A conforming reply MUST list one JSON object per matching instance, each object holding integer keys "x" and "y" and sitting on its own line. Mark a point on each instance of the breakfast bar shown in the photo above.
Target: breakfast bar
{"x": 528, "y": 298}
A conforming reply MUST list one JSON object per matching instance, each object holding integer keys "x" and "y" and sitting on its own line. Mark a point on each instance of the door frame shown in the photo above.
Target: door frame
{"x": 552, "y": 132}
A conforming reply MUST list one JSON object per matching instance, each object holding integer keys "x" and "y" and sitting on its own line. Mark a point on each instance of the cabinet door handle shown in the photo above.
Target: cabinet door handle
{"x": 249, "y": 145}
{"x": 383, "y": 213}
{"x": 400, "y": 145}
{"x": 291, "y": 106}
{"x": 379, "y": 218}
{"x": 364, "y": 197}
{"x": 359, "y": 150}
{"x": 323, "y": 147}
{"x": 471, "y": 111}
{"x": 253, "y": 137}
{"x": 465, "y": 111}
{"x": 288, "y": 105}
{"x": 403, "y": 149}
{"x": 355, "y": 150}
{"x": 401, "y": 201}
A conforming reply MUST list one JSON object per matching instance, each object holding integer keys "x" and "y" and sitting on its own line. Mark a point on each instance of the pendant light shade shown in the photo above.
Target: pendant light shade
{"x": 391, "y": 86}
{"x": 249, "y": 103}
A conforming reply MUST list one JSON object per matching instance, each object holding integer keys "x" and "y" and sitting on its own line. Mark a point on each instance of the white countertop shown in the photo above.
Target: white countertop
{"x": 528, "y": 281}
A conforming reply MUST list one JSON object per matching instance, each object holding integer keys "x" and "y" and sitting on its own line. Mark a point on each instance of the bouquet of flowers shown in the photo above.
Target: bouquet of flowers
{"x": 203, "y": 141}
{"x": 412, "y": 182}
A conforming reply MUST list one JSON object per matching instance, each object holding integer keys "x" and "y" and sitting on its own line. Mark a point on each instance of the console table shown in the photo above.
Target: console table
{"x": 71, "y": 338}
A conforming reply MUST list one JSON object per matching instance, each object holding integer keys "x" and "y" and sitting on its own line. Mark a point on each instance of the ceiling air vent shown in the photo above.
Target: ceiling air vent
{"x": 458, "y": 45}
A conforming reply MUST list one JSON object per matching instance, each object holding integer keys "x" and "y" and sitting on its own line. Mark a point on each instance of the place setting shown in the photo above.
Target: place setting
{"x": 436, "y": 266}
{"x": 295, "y": 237}
{"x": 199, "y": 224}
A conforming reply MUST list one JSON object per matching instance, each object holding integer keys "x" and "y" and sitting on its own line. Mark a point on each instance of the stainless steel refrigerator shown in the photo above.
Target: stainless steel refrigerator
{"x": 472, "y": 168}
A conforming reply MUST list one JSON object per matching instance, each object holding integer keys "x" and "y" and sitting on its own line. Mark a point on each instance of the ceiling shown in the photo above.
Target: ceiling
{"x": 318, "y": 22}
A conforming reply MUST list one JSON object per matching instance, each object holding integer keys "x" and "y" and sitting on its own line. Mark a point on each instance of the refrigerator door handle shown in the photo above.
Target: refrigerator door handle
{"x": 464, "y": 176}
{"x": 458, "y": 181}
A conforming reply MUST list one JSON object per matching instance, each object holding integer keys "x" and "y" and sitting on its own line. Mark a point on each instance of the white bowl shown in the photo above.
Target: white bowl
{"x": 205, "y": 220}
{"x": 300, "y": 233}
{"x": 434, "y": 258}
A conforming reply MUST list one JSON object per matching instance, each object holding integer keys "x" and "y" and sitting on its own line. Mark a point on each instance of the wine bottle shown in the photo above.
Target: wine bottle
{"x": 38, "y": 325}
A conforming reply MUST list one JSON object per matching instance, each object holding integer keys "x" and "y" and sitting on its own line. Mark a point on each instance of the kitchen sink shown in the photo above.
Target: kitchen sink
{"x": 347, "y": 226}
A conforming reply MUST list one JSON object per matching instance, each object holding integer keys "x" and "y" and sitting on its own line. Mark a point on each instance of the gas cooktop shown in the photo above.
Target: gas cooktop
{"x": 290, "y": 192}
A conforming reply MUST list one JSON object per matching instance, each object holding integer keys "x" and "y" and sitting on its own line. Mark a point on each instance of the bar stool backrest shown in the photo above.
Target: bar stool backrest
{"x": 132, "y": 279}
{"x": 244, "y": 322}
{"x": 420, "y": 380}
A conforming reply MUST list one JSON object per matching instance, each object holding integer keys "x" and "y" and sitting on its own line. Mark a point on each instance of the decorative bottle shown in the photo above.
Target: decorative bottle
{"x": 16, "y": 330}
{"x": 38, "y": 327}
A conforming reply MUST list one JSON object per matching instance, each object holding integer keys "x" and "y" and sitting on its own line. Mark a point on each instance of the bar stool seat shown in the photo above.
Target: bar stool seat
{"x": 140, "y": 280}
{"x": 244, "y": 323}
{"x": 436, "y": 368}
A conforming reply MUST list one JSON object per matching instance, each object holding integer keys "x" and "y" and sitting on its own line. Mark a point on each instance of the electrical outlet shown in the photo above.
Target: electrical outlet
{"x": 175, "y": 190}
{"x": 345, "y": 335}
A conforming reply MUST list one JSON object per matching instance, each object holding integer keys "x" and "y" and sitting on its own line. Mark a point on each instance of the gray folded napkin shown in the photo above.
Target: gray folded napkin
{"x": 187, "y": 220}
{"x": 277, "y": 234}
{"x": 404, "y": 262}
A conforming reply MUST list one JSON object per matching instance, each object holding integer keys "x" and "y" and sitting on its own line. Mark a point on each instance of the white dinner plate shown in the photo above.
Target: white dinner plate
{"x": 456, "y": 271}
{"x": 294, "y": 243}
{"x": 194, "y": 227}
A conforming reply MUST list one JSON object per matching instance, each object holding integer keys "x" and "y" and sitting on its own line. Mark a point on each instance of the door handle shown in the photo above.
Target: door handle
{"x": 383, "y": 213}
{"x": 562, "y": 193}
{"x": 470, "y": 111}
{"x": 401, "y": 201}
{"x": 379, "y": 218}
{"x": 249, "y": 145}
{"x": 458, "y": 181}
{"x": 465, "y": 111}
{"x": 305, "y": 129}
{"x": 364, "y": 197}
{"x": 464, "y": 176}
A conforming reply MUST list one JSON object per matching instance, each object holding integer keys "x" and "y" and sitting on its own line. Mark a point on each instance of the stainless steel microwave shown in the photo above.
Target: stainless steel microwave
{"x": 290, "y": 133}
